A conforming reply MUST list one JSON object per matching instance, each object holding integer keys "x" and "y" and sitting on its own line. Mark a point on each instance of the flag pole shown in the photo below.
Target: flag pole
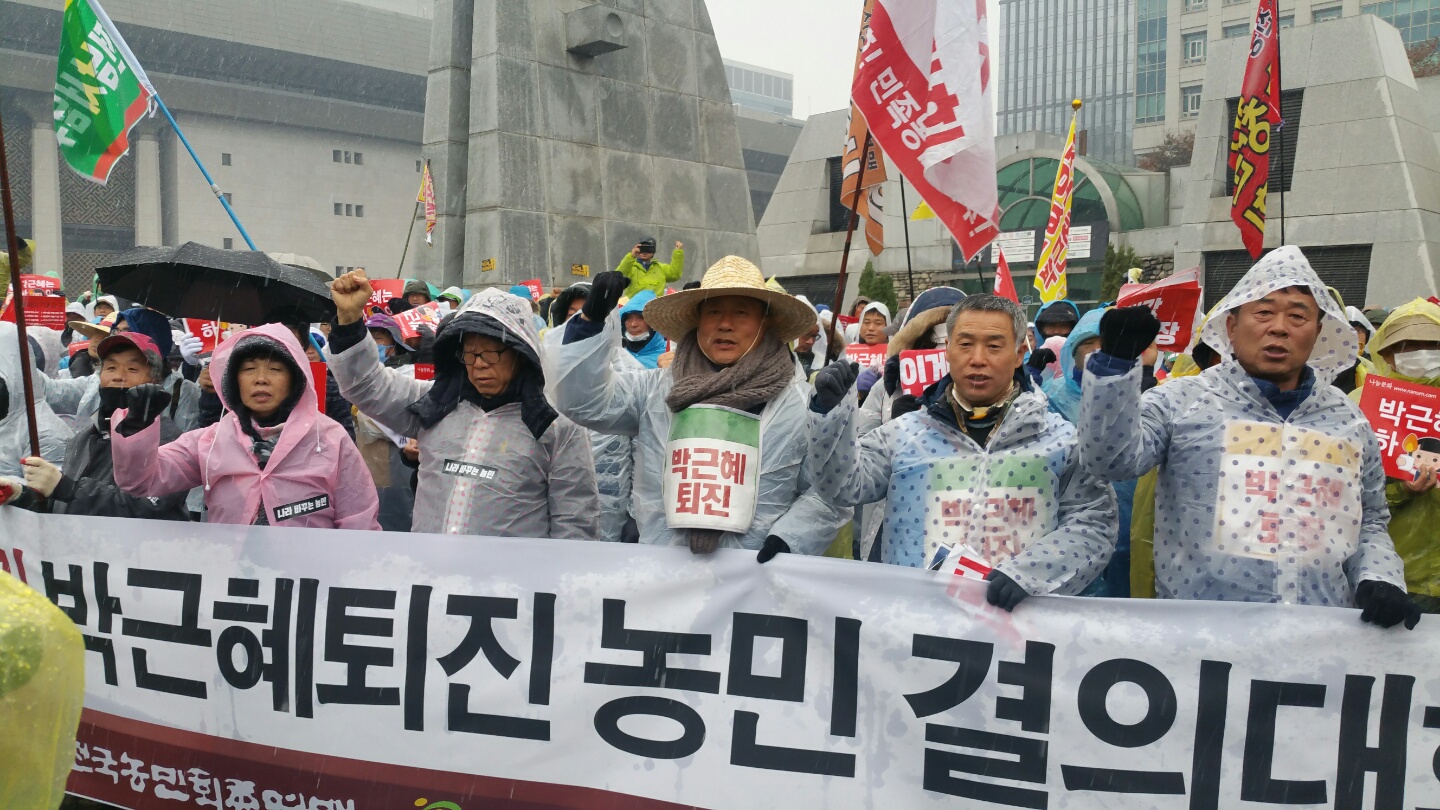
{"x": 1279, "y": 95}
{"x": 214, "y": 188}
{"x": 850, "y": 231}
{"x": 905, "y": 216}
{"x": 408, "y": 235}
{"x": 12, "y": 247}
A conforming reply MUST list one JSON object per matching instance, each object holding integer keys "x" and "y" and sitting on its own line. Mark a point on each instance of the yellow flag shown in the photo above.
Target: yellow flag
{"x": 1050, "y": 277}
{"x": 922, "y": 213}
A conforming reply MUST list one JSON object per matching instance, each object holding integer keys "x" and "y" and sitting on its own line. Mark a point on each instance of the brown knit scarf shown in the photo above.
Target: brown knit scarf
{"x": 757, "y": 377}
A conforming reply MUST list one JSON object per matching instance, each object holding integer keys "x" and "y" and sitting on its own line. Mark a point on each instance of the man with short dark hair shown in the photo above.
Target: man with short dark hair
{"x": 984, "y": 468}
{"x": 1270, "y": 485}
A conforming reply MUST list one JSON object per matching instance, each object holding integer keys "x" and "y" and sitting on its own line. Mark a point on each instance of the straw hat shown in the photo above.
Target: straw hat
{"x": 677, "y": 314}
{"x": 92, "y": 330}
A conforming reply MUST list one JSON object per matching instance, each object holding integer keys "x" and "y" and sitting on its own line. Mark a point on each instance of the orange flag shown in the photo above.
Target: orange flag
{"x": 871, "y": 202}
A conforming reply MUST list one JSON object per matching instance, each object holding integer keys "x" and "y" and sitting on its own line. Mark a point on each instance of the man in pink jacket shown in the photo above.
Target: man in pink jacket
{"x": 272, "y": 459}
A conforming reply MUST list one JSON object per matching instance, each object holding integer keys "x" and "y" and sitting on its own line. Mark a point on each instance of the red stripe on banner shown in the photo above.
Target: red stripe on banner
{"x": 232, "y": 766}
{"x": 121, "y": 145}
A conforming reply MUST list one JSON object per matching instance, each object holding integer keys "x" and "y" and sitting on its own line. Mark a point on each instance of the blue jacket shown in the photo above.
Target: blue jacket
{"x": 649, "y": 353}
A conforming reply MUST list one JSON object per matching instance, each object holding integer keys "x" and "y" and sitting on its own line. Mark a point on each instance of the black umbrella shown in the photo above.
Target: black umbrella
{"x": 237, "y": 286}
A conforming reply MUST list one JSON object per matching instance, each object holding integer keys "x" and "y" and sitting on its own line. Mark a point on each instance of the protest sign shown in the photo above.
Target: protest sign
{"x": 424, "y": 371}
{"x": 713, "y": 478}
{"x": 536, "y": 288}
{"x": 843, "y": 321}
{"x": 340, "y": 669}
{"x": 1404, "y": 415}
{"x": 412, "y": 319}
{"x": 921, "y": 369}
{"x": 384, "y": 289}
{"x": 40, "y": 310}
{"x": 1175, "y": 302}
{"x": 867, "y": 356}
{"x": 319, "y": 372}
{"x": 39, "y": 284}
{"x": 209, "y": 333}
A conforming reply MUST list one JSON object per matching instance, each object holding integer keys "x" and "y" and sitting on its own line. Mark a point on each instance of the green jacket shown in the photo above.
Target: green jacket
{"x": 652, "y": 278}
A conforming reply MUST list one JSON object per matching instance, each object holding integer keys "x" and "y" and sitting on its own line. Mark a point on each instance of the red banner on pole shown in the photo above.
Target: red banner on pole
{"x": 385, "y": 289}
{"x": 40, "y": 310}
{"x": 1257, "y": 117}
{"x": 921, "y": 369}
{"x": 1404, "y": 416}
{"x": 209, "y": 333}
{"x": 1175, "y": 302}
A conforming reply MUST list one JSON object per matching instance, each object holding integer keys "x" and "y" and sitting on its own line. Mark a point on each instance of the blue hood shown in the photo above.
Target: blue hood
{"x": 636, "y": 303}
{"x": 934, "y": 298}
{"x": 151, "y": 324}
{"x": 1088, "y": 327}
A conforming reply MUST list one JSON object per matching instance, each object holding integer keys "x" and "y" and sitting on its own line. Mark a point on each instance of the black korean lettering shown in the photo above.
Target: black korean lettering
{"x": 305, "y": 648}
{"x": 78, "y": 610}
{"x": 358, "y": 658}
{"x": 974, "y": 660}
{"x": 1387, "y": 758}
{"x": 1257, "y": 783}
{"x": 845, "y": 702}
{"x": 789, "y": 685}
{"x": 1432, "y": 720}
{"x": 187, "y": 632}
{"x": 692, "y": 736}
{"x": 655, "y": 646}
{"x": 1032, "y": 709}
{"x": 417, "y": 641}
{"x": 480, "y": 637}
{"x": 276, "y": 638}
{"x": 1160, "y": 710}
{"x": 1209, "y": 752}
{"x": 1025, "y": 760}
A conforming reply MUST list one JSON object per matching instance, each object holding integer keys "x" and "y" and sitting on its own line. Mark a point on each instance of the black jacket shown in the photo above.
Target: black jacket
{"x": 88, "y": 486}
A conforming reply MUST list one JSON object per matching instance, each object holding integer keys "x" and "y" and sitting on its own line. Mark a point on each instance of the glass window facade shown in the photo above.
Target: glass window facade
{"x": 1323, "y": 14}
{"x": 1150, "y": 33}
{"x": 1190, "y": 101}
{"x": 761, "y": 90}
{"x": 1026, "y": 186}
{"x": 1235, "y": 30}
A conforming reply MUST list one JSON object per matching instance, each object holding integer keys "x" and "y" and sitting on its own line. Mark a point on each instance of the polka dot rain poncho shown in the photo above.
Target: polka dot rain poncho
{"x": 1251, "y": 507}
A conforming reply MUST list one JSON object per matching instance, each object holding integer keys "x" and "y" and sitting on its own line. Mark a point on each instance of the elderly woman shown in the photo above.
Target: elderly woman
{"x": 733, "y": 337}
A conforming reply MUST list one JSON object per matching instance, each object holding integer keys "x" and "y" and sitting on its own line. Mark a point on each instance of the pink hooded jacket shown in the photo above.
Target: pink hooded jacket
{"x": 315, "y": 478}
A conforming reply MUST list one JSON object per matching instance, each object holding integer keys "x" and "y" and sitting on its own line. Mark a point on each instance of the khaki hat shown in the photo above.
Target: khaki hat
{"x": 93, "y": 330}
{"x": 1416, "y": 326}
{"x": 676, "y": 315}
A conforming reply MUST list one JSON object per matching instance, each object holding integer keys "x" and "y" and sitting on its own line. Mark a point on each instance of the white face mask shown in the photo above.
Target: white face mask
{"x": 1421, "y": 364}
{"x": 939, "y": 336}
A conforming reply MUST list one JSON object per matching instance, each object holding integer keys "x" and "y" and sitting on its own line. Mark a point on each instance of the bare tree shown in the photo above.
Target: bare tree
{"x": 1424, "y": 58}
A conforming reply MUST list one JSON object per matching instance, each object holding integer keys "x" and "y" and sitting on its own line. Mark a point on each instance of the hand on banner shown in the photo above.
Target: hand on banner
{"x": 1126, "y": 333}
{"x": 1040, "y": 358}
{"x": 605, "y": 292}
{"x": 191, "y": 348}
{"x": 10, "y": 489}
{"x": 350, "y": 292}
{"x": 143, "y": 405}
{"x": 41, "y": 475}
{"x": 1004, "y": 592}
{"x": 1386, "y": 605}
{"x": 773, "y": 545}
{"x": 1422, "y": 484}
{"x": 832, "y": 384}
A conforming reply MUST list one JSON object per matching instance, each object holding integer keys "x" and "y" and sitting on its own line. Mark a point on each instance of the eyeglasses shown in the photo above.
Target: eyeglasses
{"x": 491, "y": 358}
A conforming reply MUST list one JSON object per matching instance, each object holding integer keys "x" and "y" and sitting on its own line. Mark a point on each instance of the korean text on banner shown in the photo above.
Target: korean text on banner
{"x": 40, "y": 310}
{"x": 1257, "y": 118}
{"x": 232, "y": 663}
{"x": 713, "y": 479}
{"x": 921, "y": 369}
{"x": 427, "y": 198}
{"x": 101, "y": 92}
{"x": 1404, "y": 415}
{"x": 209, "y": 333}
{"x": 923, "y": 85}
{"x": 867, "y": 356}
{"x": 868, "y": 202}
{"x": 412, "y": 319}
{"x": 424, "y": 371}
{"x": 1050, "y": 272}
{"x": 39, "y": 284}
{"x": 536, "y": 287}
{"x": 384, "y": 289}
{"x": 1175, "y": 302}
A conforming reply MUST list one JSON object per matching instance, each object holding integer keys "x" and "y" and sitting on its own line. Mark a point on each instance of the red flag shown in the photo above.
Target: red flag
{"x": 869, "y": 206}
{"x": 1257, "y": 116}
{"x": 1004, "y": 284}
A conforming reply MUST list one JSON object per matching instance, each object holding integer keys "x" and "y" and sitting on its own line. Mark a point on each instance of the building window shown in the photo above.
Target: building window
{"x": 339, "y": 270}
{"x": 335, "y": 155}
{"x": 418, "y": 164}
{"x": 1190, "y": 101}
{"x": 349, "y": 210}
{"x": 339, "y": 210}
{"x": 359, "y": 210}
{"x": 1194, "y": 5}
{"x": 1287, "y": 21}
{"x": 839, "y": 214}
{"x": 224, "y": 158}
{"x": 359, "y": 158}
{"x": 1235, "y": 30}
{"x": 1323, "y": 14}
{"x": 1292, "y": 104}
{"x": 229, "y": 244}
{"x": 349, "y": 158}
{"x": 1150, "y": 61}
{"x": 1193, "y": 47}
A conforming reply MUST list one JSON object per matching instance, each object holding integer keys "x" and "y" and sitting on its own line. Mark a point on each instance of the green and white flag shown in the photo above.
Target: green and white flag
{"x": 101, "y": 92}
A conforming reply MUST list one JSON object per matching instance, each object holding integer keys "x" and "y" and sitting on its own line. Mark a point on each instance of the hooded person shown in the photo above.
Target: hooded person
{"x": 104, "y": 307}
{"x": 451, "y": 298}
{"x": 644, "y": 273}
{"x": 1265, "y": 422}
{"x": 1353, "y": 378}
{"x": 495, "y": 458}
{"x": 819, "y": 346}
{"x": 636, "y": 336}
{"x": 84, "y": 484}
{"x": 982, "y": 433}
{"x": 417, "y": 293}
{"x": 14, "y": 425}
{"x": 272, "y": 459}
{"x": 872, "y": 333}
{"x": 733, "y": 337}
{"x": 1056, "y": 318}
{"x": 568, "y": 302}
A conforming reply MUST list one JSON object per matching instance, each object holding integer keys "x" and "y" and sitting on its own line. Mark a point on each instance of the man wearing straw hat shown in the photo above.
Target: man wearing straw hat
{"x": 721, "y": 434}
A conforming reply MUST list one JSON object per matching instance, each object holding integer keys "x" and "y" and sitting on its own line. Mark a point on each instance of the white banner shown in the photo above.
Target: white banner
{"x": 247, "y": 668}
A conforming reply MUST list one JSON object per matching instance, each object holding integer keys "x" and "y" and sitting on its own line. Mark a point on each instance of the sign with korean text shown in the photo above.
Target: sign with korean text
{"x": 1019, "y": 246}
{"x": 1404, "y": 415}
{"x": 580, "y": 270}
{"x": 536, "y": 288}
{"x": 40, "y": 310}
{"x": 843, "y": 321}
{"x": 1257, "y": 119}
{"x": 424, "y": 371}
{"x": 39, "y": 285}
{"x": 867, "y": 356}
{"x": 1080, "y": 242}
{"x": 101, "y": 92}
{"x": 921, "y": 369}
{"x": 384, "y": 289}
{"x": 412, "y": 319}
{"x": 1175, "y": 302}
{"x": 209, "y": 332}
{"x": 255, "y": 668}
{"x": 486, "y": 265}
{"x": 713, "y": 476}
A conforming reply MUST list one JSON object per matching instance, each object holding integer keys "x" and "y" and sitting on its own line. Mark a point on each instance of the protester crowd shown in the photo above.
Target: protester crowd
{"x": 1066, "y": 456}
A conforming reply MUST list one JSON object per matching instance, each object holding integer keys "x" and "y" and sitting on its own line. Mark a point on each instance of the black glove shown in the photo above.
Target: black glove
{"x": 1040, "y": 358}
{"x": 892, "y": 375}
{"x": 144, "y": 404}
{"x": 605, "y": 293}
{"x": 903, "y": 404}
{"x": 1127, "y": 333}
{"x": 832, "y": 384}
{"x": 773, "y": 545}
{"x": 1386, "y": 605}
{"x": 1004, "y": 592}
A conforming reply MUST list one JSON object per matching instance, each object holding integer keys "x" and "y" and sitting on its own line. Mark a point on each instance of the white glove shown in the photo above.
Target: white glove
{"x": 41, "y": 475}
{"x": 10, "y": 489}
{"x": 191, "y": 348}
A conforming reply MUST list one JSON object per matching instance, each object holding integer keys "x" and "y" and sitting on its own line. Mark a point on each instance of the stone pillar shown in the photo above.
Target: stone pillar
{"x": 45, "y": 199}
{"x": 447, "y": 138}
{"x": 148, "y": 220}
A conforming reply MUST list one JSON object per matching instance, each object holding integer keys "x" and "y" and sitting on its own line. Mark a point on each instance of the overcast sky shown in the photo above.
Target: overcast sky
{"x": 812, "y": 39}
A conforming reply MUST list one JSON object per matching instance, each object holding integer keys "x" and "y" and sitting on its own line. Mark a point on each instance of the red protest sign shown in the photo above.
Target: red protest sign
{"x": 208, "y": 331}
{"x": 317, "y": 372}
{"x": 921, "y": 369}
{"x": 411, "y": 319}
{"x": 845, "y": 320}
{"x": 39, "y": 284}
{"x": 40, "y": 310}
{"x": 1175, "y": 302}
{"x": 867, "y": 356}
{"x": 1403, "y": 415}
{"x": 424, "y": 371}
{"x": 537, "y": 290}
{"x": 385, "y": 289}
